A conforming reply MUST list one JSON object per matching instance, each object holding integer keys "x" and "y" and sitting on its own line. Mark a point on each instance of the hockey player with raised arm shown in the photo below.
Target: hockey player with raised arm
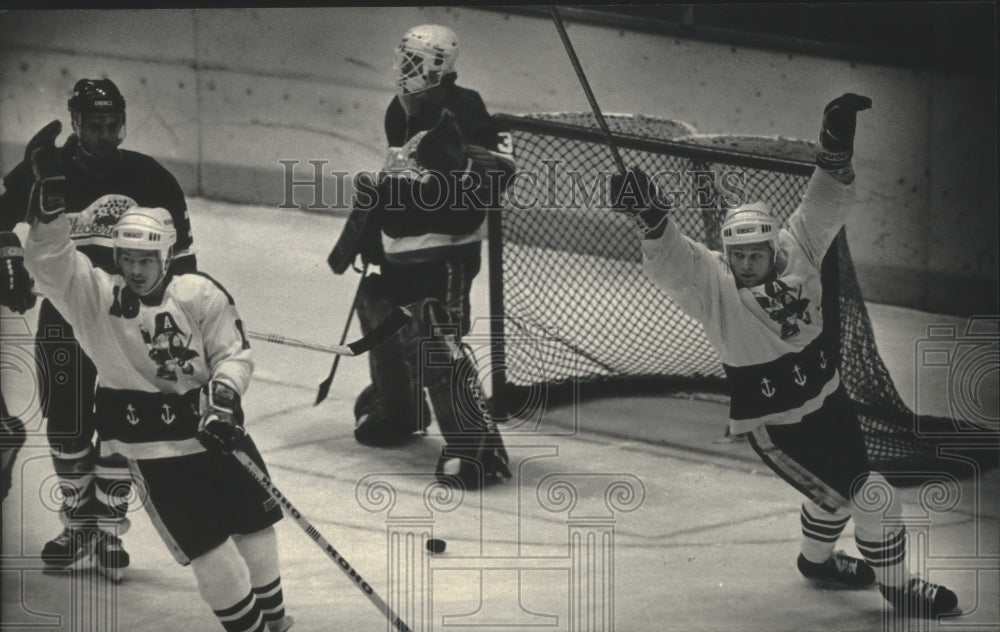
{"x": 759, "y": 302}
{"x": 448, "y": 163}
{"x": 172, "y": 365}
{"x": 102, "y": 181}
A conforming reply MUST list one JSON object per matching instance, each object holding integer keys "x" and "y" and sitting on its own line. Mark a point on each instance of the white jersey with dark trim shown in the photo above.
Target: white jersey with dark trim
{"x": 148, "y": 356}
{"x": 770, "y": 337}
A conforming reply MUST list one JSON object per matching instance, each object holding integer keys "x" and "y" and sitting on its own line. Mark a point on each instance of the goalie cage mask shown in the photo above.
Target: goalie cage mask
{"x": 424, "y": 56}
{"x": 150, "y": 229}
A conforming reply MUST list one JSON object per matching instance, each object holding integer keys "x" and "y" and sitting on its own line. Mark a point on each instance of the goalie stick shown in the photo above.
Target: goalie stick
{"x": 324, "y": 387}
{"x": 586, "y": 88}
{"x": 385, "y": 330}
{"x": 265, "y": 483}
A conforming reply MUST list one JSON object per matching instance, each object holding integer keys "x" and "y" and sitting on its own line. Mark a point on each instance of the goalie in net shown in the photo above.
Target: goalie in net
{"x": 447, "y": 165}
{"x": 102, "y": 181}
{"x": 760, "y": 303}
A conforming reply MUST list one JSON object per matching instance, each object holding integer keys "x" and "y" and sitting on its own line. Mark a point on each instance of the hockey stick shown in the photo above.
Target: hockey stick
{"x": 586, "y": 88}
{"x": 324, "y": 386}
{"x": 265, "y": 483}
{"x": 385, "y": 330}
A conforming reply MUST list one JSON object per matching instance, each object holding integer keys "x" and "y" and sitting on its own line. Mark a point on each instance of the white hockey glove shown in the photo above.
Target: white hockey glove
{"x": 221, "y": 426}
{"x": 837, "y": 135}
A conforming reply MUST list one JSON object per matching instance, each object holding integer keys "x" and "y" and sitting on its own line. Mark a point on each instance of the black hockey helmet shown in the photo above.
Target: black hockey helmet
{"x": 96, "y": 96}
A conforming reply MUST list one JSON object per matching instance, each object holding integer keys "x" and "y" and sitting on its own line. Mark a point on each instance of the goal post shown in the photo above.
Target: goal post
{"x": 571, "y": 309}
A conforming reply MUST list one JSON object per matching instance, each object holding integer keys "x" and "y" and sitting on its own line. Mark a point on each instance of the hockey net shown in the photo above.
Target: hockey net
{"x": 577, "y": 310}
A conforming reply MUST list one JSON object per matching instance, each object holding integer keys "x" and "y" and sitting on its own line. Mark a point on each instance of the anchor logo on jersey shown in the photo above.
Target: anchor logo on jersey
{"x": 168, "y": 415}
{"x": 785, "y": 306}
{"x": 768, "y": 390}
{"x": 800, "y": 377}
{"x": 130, "y": 415}
{"x": 169, "y": 347}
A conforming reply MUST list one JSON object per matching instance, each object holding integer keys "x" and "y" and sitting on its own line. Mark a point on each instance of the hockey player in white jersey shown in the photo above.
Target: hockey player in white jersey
{"x": 172, "y": 363}
{"x": 759, "y": 302}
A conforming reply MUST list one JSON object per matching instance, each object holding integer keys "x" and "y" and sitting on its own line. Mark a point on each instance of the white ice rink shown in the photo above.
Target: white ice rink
{"x": 607, "y": 525}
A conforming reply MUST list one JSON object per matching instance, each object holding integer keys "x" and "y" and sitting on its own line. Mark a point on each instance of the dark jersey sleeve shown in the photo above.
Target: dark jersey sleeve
{"x": 395, "y": 124}
{"x": 14, "y": 195}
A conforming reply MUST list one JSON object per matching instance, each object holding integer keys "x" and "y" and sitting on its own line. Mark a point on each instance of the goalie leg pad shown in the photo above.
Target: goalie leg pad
{"x": 392, "y": 408}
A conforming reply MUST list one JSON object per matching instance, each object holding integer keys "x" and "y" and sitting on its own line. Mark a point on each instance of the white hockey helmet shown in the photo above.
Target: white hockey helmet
{"x": 142, "y": 228}
{"x": 750, "y": 224}
{"x": 424, "y": 56}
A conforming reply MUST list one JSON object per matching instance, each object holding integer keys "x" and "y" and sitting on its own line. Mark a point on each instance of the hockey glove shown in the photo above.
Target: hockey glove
{"x": 15, "y": 284}
{"x": 221, "y": 426}
{"x": 635, "y": 195}
{"x": 45, "y": 137}
{"x": 48, "y": 196}
{"x": 837, "y": 134}
{"x": 442, "y": 148}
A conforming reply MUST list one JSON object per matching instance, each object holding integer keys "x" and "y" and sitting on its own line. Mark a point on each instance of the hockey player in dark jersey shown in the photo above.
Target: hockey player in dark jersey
{"x": 102, "y": 181}
{"x": 175, "y": 417}
{"x": 760, "y": 304}
{"x": 441, "y": 141}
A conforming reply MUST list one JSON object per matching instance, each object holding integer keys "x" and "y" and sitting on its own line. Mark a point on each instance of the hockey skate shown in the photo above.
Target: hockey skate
{"x": 920, "y": 599}
{"x": 109, "y": 555}
{"x": 67, "y": 549}
{"x": 283, "y": 624}
{"x": 839, "y": 570}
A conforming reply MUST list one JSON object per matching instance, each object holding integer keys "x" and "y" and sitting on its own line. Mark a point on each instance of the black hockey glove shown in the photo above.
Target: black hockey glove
{"x": 15, "y": 284}
{"x": 837, "y": 134}
{"x": 48, "y": 196}
{"x": 635, "y": 195}
{"x": 45, "y": 137}
{"x": 221, "y": 426}
{"x": 442, "y": 148}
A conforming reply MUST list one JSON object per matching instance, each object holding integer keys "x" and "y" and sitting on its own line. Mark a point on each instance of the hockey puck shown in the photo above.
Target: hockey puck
{"x": 435, "y": 546}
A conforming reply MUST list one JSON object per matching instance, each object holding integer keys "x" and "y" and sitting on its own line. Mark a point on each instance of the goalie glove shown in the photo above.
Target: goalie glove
{"x": 837, "y": 133}
{"x": 442, "y": 148}
{"x": 221, "y": 426}
{"x": 635, "y": 195}
{"x": 15, "y": 284}
{"x": 48, "y": 195}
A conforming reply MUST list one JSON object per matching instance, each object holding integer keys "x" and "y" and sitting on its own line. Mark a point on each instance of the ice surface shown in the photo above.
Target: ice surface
{"x": 623, "y": 514}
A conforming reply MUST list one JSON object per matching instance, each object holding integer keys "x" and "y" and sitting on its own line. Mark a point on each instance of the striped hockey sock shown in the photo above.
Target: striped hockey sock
{"x": 243, "y": 616}
{"x": 887, "y": 557}
{"x": 820, "y": 531}
{"x": 270, "y": 600}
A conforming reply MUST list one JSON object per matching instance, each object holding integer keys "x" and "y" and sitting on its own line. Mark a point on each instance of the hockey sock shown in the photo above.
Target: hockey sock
{"x": 224, "y": 584}
{"x": 113, "y": 486}
{"x": 243, "y": 616}
{"x": 75, "y": 471}
{"x": 878, "y": 530}
{"x": 820, "y": 531}
{"x": 260, "y": 550}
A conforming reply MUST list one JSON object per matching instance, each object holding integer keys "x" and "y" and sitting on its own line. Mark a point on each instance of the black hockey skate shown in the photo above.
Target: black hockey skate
{"x": 109, "y": 555}
{"x": 920, "y": 598}
{"x": 474, "y": 466}
{"x": 839, "y": 570}
{"x": 67, "y": 549}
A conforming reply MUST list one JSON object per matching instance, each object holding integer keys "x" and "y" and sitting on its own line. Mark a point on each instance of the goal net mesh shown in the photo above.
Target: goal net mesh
{"x": 577, "y": 309}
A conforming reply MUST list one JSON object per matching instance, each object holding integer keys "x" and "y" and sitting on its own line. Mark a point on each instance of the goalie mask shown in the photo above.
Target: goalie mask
{"x": 144, "y": 230}
{"x": 98, "y": 98}
{"x": 424, "y": 57}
